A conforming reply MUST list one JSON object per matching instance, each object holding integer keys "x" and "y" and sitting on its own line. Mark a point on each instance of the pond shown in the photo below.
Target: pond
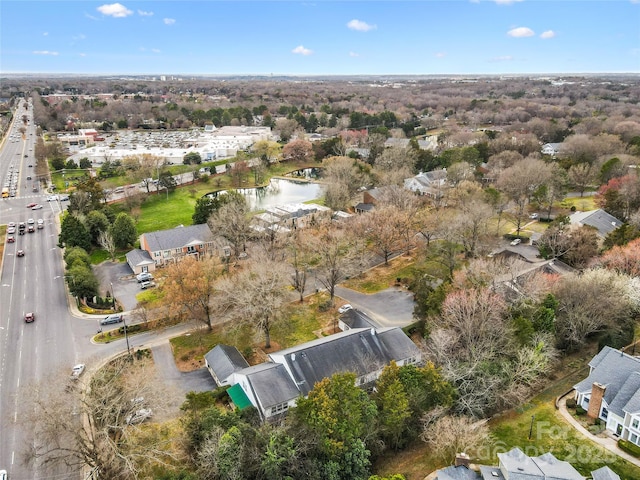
{"x": 279, "y": 192}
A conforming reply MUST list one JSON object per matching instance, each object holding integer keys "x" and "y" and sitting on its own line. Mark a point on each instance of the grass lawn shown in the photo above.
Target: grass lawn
{"x": 158, "y": 213}
{"x": 583, "y": 204}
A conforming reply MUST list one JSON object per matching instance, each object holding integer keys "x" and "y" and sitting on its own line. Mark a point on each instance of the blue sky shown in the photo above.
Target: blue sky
{"x": 317, "y": 37}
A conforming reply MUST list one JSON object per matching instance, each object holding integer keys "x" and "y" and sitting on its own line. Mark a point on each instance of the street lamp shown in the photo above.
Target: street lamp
{"x": 113, "y": 298}
{"x": 126, "y": 335}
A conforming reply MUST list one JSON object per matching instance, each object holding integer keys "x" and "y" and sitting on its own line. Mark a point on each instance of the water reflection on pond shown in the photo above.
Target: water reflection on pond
{"x": 279, "y": 192}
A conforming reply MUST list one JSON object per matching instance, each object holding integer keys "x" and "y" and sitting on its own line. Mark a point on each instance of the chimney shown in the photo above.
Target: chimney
{"x": 462, "y": 459}
{"x": 595, "y": 402}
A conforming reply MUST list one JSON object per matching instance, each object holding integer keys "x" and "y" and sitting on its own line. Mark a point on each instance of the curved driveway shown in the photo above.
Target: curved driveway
{"x": 392, "y": 307}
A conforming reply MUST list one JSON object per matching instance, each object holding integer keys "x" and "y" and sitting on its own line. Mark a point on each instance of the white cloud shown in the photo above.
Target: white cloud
{"x": 44, "y": 34}
{"x": 142, "y": 13}
{"x": 504, "y": 58}
{"x": 360, "y": 26}
{"x": 44, "y": 52}
{"x": 521, "y": 32}
{"x": 441, "y": 55}
{"x": 354, "y": 54}
{"x": 80, "y": 36}
{"x": 82, "y": 54}
{"x": 547, "y": 34}
{"x": 301, "y": 50}
{"x": 115, "y": 10}
{"x": 169, "y": 21}
{"x": 506, "y": 2}
{"x": 155, "y": 50}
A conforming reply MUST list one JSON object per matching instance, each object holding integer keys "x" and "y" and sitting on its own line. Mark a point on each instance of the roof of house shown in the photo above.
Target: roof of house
{"x": 490, "y": 473}
{"x": 604, "y": 473}
{"x": 139, "y": 257}
{"x": 355, "y": 318}
{"x": 364, "y": 207}
{"x": 238, "y": 397}
{"x": 178, "y": 237}
{"x": 224, "y": 360}
{"x": 598, "y": 219}
{"x": 620, "y": 374}
{"x": 396, "y": 142}
{"x": 270, "y": 383}
{"x": 522, "y": 467}
{"x": 460, "y": 472}
{"x": 358, "y": 350}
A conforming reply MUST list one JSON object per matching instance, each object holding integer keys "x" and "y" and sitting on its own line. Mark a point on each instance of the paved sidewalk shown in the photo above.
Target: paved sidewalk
{"x": 606, "y": 442}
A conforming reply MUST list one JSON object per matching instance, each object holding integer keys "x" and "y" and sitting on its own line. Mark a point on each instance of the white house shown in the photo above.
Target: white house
{"x": 611, "y": 393}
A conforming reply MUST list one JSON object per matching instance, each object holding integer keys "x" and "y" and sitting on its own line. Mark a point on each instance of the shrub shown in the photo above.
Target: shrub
{"x": 629, "y": 447}
{"x": 580, "y": 411}
{"x": 571, "y": 403}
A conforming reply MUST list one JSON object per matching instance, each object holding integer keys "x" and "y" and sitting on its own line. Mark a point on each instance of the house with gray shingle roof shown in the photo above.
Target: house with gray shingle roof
{"x": 431, "y": 184}
{"x": 140, "y": 261}
{"x": 275, "y": 386}
{"x": 611, "y": 393}
{"x": 598, "y": 219}
{"x": 516, "y": 465}
{"x": 168, "y": 246}
{"x": 222, "y": 361}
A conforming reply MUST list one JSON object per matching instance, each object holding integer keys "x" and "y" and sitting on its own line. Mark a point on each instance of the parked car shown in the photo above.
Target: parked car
{"x": 144, "y": 277}
{"x": 516, "y": 241}
{"x": 29, "y": 317}
{"x": 345, "y": 308}
{"x": 77, "y": 371}
{"x": 533, "y": 216}
{"x": 109, "y": 319}
{"x": 146, "y": 284}
{"x": 139, "y": 416}
{"x": 20, "y": 253}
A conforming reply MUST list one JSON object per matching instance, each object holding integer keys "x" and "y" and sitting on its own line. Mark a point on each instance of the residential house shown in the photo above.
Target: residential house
{"x": 283, "y": 218}
{"x": 168, "y": 246}
{"x": 222, "y": 361}
{"x": 431, "y": 184}
{"x": 274, "y": 386}
{"x": 140, "y": 261}
{"x": 396, "y": 142}
{"x": 598, "y": 219}
{"x": 354, "y": 318}
{"x": 551, "y": 149}
{"x": 516, "y": 465}
{"x": 611, "y": 393}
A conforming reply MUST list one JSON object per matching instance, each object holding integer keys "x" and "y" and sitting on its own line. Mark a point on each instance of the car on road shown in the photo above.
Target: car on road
{"x": 139, "y": 416}
{"x": 29, "y": 317}
{"x": 3, "y": 475}
{"x": 109, "y": 319}
{"x": 11, "y": 224}
{"x": 20, "y": 253}
{"x": 64, "y": 198}
{"x": 345, "y": 308}
{"x": 31, "y": 221}
{"x": 11, "y": 239}
{"x": 31, "y": 229}
{"x": 77, "y": 371}
{"x": 28, "y": 177}
{"x": 11, "y": 230}
{"x": 144, "y": 277}
{"x": 31, "y": 205}
{"x": 52, "y": 198}
{"x": 40, "y": 223}
{"x": 36, "y": 207}
{"x": 515, "y": 242}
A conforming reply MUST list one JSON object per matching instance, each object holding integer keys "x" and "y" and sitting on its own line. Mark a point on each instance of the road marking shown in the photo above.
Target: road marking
{"x": 13, "y": 457}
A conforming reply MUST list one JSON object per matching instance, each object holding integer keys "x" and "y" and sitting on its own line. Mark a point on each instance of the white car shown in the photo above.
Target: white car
{"x": 345, "y": 308}
{"x": 139, "y": 416}
{"x": 52, "y": 198}
{"x": 515, "y": 242}
{"x": 77, "y": 371}
{"x": 144, "y": 277}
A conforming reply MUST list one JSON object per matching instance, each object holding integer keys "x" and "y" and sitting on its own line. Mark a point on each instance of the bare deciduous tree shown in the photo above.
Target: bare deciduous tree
{"x": 449, "y": 435}
{"x": 231, "y": 222}
{"x": 106, "y": 241}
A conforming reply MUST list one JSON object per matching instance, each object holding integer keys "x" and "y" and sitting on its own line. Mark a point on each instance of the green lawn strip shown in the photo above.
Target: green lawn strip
{"x": 583, "y": 204}
{"x": 551, "y": 433}
{"x": 158, "y": 213}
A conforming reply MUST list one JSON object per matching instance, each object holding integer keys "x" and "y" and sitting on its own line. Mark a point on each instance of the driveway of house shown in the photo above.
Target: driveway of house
{"x": 197, "y": 381}
{"x": 392, "y": 307}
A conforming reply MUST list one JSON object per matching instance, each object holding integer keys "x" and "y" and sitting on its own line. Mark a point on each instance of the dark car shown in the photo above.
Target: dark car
{"x": 29, "y": 317}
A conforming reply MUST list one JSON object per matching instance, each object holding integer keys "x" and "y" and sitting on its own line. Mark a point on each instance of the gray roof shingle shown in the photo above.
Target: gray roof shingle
{"x": 270, "y": 384}
{"x": 599, "y": 219}
{"x": 460, "y": 472}
{"x": 224, "y": 360}
{"x": 611, "y": 368}
{"x": 178, "y": 237}
{"x": 604, "y": 473}
{"x": 139, "y": 257}
{"x": 554, "y": 469}
{"x": 361, "y": 350}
